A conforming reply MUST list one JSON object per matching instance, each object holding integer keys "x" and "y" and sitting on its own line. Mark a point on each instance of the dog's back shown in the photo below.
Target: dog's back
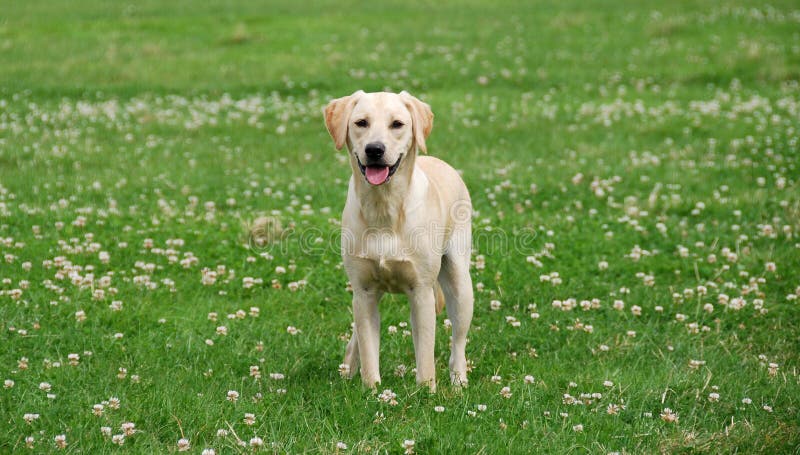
{"x": 445, "y": 177}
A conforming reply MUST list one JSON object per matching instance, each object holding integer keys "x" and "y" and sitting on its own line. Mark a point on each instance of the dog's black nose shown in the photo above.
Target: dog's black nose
{"x": 375, "y": 150}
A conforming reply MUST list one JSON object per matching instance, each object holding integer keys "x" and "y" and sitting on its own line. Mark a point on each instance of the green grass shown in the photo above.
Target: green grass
{"x": 121, "y": 122}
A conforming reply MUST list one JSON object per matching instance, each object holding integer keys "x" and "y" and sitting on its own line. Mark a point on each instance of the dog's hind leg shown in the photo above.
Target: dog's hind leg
{"x": 456, "y": 284}
{"x": 438, "y": 294}
{"x": 349, "y": 367}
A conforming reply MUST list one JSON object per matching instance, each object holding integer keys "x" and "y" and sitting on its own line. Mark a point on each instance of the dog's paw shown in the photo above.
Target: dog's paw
{"x": 345, "y": 371}
{"x": 371, "y": 382}
{"x": 459, "y": 380}
{"x": 430, "y": 383}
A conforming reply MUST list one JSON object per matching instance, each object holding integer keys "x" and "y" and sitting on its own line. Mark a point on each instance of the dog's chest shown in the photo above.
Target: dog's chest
{"x": 385, "y": 262}
{"x": 391, "y": 274}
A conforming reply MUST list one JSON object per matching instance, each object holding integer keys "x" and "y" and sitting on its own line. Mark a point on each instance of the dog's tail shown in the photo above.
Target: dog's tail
{"x": 439, "y": 297}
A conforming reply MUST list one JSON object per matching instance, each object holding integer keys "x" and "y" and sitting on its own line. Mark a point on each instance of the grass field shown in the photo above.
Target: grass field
{"x": 633, "y": 166}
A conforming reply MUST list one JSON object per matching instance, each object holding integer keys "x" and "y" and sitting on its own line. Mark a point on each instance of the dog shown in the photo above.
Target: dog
{"x": 406, "y": 228}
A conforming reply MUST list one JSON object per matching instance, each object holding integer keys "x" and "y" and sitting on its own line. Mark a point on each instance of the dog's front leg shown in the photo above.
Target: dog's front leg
{"x": 367, "y": 333}
{"x": 423, "y": 330}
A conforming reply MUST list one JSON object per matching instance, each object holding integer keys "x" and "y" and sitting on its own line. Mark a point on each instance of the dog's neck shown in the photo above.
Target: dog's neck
{"x": 382, "y": 206}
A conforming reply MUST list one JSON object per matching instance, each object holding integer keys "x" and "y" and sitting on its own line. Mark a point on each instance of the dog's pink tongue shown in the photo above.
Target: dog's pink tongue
{"x": 377, "y": 175}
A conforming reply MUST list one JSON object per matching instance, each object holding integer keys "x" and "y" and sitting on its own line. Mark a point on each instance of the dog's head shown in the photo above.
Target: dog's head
{"x": 380, "y": 130}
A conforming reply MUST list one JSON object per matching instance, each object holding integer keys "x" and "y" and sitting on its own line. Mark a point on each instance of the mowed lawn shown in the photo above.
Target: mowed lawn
{"x": 634, "y": 172}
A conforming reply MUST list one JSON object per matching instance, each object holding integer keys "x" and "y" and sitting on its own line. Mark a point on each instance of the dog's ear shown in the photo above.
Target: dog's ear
{"x": 421, "y": 119}
{"x": 337, "y": 114}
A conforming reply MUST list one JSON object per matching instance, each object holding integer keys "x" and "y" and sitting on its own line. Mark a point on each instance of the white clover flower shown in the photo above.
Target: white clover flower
{"x": 184, "y": 445}
{"x": 669, "y": 416}
{"x": 387, "y": 396}
{"x": 695, "y": 364}
{"x": 128, "y": 428}
{"x": 772, "y": 369}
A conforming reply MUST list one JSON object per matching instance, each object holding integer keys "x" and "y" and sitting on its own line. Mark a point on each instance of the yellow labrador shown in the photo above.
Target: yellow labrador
{"x": 405, "y": 229}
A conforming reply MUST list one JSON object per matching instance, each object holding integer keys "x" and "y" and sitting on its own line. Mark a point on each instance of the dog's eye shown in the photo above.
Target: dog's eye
{"x": 397, "y": 124}
{"x": 363, "y": 123}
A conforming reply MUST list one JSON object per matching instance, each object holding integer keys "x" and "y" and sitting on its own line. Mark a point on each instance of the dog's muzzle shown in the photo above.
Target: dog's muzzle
{"x": 378, "y": 174}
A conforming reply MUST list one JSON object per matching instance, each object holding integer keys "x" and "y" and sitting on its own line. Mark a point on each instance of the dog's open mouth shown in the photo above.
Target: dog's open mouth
{"x": 378, "y": 174}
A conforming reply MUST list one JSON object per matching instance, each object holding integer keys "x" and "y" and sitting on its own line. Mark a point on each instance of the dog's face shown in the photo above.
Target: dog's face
{"x": 380, "y": 130}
